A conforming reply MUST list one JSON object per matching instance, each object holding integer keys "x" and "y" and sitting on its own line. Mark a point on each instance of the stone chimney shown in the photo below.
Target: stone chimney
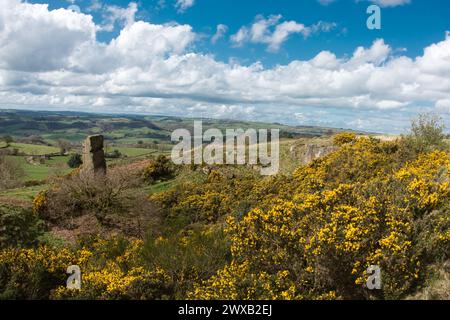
{"x": 93, "y": 155}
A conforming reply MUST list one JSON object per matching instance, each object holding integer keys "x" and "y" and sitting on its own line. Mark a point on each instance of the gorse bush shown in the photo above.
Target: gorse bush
{"x": 355, "y": 208}
{"x": 19, "y": 227}
{"x": 159, "y": 169}
{"x": 344, "y": 138}
{"x": 232, "y": 234}
{"x": 187, "y": 257}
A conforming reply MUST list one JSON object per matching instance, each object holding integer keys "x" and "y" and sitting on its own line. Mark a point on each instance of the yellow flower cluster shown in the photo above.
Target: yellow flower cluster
{"x": 427, "y": 179}
{"x": 355, "y": 208}
{"x": 237, "y": 282}
{"x": 39, "y": 202}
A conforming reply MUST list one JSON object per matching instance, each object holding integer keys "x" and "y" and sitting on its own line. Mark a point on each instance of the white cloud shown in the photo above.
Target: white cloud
{"x": 183, "y": 5}
{"x": 220, "y": 33}
{"x": 382, "y": 3}
{"x": 325, "y": 2}
{"x": 390, "y": 3}
{"x": 443, "y": 105}
{"x": 51, "y": 58}
{"x": 95, "y": 5}
{"x": 376, "y": 54}
{"x": 273, "y": 33}
{"x": 35, "y": 39}
{"x": 114, "y": 14}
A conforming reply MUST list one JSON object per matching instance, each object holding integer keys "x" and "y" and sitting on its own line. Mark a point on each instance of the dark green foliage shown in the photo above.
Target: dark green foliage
{"x": 75, "y": 161}
{"x": 114, "y": 155}
{"x": 159, "y": 169}
{"x": 427, "y": 134}
{"x": 8, "y": 139}
{"x": 188, "y": 256}
{"x": 18, "y": 227}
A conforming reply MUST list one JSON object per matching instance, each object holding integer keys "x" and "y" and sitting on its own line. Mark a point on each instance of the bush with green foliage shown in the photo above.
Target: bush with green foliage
{"x": 75, "y": 161}
{"x": 427, "y": 134}
{"x": 229, "y": 233}
{"x": 113, "y": 155}
{"x": 11, "y": 173}
{"x": 8, "y": 139}
{"x": 19, "y": 227}
{"x": 159, "y": 169}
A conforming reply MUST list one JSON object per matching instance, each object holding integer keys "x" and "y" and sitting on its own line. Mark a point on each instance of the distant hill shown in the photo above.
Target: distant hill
{"x": 121, "y": 128}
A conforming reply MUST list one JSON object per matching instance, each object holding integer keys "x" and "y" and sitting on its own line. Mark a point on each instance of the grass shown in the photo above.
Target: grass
{"x": 161, "y": 187}
{"x": 134, "y": 152}
{"x": 26, "y": 194}
{"x": 54, "y": 166}
{"x": 33, "y": 149}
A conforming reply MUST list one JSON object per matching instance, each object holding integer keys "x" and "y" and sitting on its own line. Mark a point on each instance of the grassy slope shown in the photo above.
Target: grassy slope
{"x": 54, "y": 166}
{"x": 26, "y": 194}
{"x": 132, "y": 152}
{"x": 32, "y": 149}
{"x": 123, "y": 134}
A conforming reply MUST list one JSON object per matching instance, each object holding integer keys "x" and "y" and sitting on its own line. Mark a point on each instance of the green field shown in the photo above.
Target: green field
{"x": 37, "y": 171}
{"x": 132, "y": 152}
{"x": 135, "y": 137}
{"x": 26, "y": 194}
{"x": 33, "y": 149}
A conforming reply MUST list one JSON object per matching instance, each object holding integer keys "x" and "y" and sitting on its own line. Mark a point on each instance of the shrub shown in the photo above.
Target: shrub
{"x": 19, "y": 227}
{"x": 64, "y": 146}
{"x": 344, "y": 138}
{"x": 187, "y": 256}
{"x": 10, "y": 173}
{"x": 8, "y": 139}
{"x": 354, "y": 208}
{"x": 427, "y": 134}
{"x": 75, "y": 161}
{"x": 159, "y": 169}
{"x": 33, "y": 273}
{"x": 109, "y": 273}
{"x": 113, "y": 155}
{"x": 112, "y": 200}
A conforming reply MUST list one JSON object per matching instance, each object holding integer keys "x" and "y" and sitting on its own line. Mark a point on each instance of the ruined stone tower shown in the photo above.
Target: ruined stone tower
{"x": 93, "y": 155}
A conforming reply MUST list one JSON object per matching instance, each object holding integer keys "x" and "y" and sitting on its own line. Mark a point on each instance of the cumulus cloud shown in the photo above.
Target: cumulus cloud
{"x": 381, "y": 3}
{"x": 113, "y": 14}
{"x": 325, "y": 2}
{"x": 35, "y": 39}
{"x": 51, "y": 58}
{"x": 95, "y": 5}
{"x": 272, "y": 32}
{"x": 390, "y": 3}
{"x": 220, "y": 33}
{"x": 183, "y": 5}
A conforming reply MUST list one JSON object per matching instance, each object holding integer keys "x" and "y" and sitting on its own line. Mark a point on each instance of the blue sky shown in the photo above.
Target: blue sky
{"x": 411, "y": 26}
{"x": 309, "y": 62}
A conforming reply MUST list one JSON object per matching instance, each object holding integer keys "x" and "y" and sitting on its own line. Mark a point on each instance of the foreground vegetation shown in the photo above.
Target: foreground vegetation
{"x": 155, "y": 231}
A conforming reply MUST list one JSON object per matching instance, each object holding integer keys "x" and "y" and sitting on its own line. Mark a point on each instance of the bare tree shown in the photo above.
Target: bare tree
{"x": 10, "y": 173}
{"x": 64, "y": 146}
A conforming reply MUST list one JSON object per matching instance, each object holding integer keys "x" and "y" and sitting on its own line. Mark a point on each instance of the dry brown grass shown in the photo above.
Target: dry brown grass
{"x": 99, "y": 204}
{"x": 438, "y": 286}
